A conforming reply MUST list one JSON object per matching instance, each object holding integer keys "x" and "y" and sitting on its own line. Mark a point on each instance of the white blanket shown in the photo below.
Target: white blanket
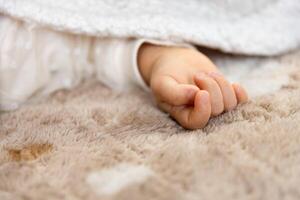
{"x": 256, "y": 27}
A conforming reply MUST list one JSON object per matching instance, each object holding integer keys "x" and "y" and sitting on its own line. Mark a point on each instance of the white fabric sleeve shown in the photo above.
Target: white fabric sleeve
{"x": 35, "y": 61}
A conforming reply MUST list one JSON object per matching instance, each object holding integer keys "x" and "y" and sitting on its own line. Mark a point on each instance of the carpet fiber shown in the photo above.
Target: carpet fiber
{"x": 92, "y": 143}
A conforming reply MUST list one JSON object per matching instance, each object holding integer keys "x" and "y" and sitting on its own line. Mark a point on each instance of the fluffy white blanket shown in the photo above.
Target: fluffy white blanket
{"x": 260, "y": 27}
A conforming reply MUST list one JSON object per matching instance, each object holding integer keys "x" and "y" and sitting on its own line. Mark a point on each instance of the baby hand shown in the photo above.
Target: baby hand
{"x": 188, "y": 86}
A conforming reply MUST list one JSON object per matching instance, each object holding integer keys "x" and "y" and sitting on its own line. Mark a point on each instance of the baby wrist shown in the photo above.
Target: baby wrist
{"x": 147, "y": 53}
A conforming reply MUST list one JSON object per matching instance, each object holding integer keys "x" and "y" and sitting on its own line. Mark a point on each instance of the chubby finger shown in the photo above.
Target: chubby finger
{"x": 168, "y": 90}
{"x": 229, "y": 98}
{"x": 191, "y": 117}
{"x": 205, "y": 82}
{"x": 240, "y": 92}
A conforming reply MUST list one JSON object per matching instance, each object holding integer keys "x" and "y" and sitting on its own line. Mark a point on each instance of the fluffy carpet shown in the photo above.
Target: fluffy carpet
{"x": 92, "y": 143}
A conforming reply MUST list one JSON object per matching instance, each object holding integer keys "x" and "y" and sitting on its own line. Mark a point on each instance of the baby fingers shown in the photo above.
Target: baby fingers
{"x": 167, "y": 89}
{"x": 240, "y": 93}
{"x": 191, "y": 117}
{"x": 229, "y": 97}
{"x": 205, "y": 82}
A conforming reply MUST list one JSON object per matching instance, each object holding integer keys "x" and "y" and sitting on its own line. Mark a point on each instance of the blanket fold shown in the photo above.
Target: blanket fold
{"x": 256, "y": 27}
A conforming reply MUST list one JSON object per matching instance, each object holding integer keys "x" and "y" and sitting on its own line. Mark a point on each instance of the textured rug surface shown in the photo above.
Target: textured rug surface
{"x": 91, "y": 143}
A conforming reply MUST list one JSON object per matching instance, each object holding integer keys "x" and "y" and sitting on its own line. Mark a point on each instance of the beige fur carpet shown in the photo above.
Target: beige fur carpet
{"x": 91, "y": 143}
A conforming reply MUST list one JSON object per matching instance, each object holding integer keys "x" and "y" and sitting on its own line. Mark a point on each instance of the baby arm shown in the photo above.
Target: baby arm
{"x": 187, "y": 85}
